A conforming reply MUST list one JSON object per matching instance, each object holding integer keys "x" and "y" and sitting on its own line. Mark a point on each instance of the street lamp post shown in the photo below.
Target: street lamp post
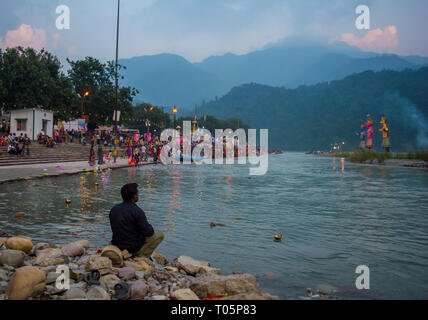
{"x": 116, "y": 77}
{"x": 85, "y": 94}
{"x": 175, "y": 113}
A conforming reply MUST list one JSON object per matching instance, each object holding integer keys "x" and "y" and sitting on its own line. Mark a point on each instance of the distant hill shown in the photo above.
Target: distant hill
{"x": 314, "y": 117}
{"x": 168, "y": 79}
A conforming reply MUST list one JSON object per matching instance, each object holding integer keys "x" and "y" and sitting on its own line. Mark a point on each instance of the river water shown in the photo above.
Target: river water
{"x": 334, "y": 216}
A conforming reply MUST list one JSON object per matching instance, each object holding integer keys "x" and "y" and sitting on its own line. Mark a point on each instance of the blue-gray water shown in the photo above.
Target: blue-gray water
{"x": 332, "y": 220}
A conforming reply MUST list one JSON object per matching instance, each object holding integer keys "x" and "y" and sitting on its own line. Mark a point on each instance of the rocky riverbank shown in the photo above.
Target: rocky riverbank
{"x": 29, "y": 271}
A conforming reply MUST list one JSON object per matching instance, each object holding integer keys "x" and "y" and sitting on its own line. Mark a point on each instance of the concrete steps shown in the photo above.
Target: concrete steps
{"x": 40, "y": 154}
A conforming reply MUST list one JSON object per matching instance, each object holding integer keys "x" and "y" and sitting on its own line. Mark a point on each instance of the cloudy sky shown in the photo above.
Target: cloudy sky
{"x": 196, "y": 29}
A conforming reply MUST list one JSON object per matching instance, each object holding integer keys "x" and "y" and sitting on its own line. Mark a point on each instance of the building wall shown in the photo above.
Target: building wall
{"x": 22, "y": 114}
{"x": 39, "y": 116}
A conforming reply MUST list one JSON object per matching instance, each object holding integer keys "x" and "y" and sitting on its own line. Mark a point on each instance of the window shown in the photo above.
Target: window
{"x": 21, "y": 124}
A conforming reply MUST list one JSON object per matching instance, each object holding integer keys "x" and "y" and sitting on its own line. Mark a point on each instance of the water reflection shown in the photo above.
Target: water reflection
{"x": 332, "y": 221}
{"x": 173, "y": 203}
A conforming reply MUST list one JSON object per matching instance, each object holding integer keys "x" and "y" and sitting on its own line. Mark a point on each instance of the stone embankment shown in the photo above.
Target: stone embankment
{"x": 29, "y": 271}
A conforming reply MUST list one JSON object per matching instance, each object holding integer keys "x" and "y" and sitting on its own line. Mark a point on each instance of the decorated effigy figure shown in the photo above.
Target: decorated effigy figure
{"x": 386, "y": 144}
{"x": 362, "y": 146}
{"x": 369, "y": 133}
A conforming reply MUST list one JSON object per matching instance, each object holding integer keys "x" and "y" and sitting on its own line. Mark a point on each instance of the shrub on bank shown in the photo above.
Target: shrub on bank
{"x": 418, "y": 155}
{"x": 363, "y": 156}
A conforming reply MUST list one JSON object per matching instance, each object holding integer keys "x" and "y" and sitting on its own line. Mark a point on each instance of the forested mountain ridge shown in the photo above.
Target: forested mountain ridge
{"x": 317, "y": 116}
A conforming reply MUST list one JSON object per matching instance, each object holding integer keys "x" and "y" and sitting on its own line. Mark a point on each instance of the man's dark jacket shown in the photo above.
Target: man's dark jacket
{"x": 130, "y": 227}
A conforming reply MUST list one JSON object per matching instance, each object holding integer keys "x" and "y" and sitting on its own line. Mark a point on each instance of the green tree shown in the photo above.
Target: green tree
{"x": 98, "y": 79}
{"x": 29, "y": 79}
{"x": 212, "y": 123}
{"x": 144, "y": 114}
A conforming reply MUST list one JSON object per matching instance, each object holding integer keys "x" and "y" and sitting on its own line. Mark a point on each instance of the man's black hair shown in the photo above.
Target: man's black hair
{"x": 128, "y": 191}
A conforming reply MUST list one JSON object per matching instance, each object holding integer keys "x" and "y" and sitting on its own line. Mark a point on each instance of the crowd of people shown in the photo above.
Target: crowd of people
{"x": 16, "y": 145}
{"x": 135, "y": 147}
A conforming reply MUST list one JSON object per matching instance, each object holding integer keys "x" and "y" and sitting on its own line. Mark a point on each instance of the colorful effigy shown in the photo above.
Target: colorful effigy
{"x": 386, "y": 144}
{"x": 362, "y": 146}
{"x": 369, "y": 133}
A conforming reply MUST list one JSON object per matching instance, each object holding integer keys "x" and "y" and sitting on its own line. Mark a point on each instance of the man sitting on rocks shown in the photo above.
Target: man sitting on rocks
{"x": 131, "y": 230}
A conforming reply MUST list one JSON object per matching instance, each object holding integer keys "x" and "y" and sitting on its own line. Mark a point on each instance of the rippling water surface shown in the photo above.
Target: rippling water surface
{"x": 333, "y": 216}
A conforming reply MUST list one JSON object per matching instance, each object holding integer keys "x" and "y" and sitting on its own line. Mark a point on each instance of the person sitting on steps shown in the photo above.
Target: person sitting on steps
{"x": 131, "y": 230}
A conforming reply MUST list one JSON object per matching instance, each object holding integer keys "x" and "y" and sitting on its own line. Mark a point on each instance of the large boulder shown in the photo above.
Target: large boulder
{"x": 19, "y": 243}
{"x": 217, "y": 285}
{"x": 194, "y": 267}
{"x": 114, "y": 254}
{"x": 184, "y": 294}
{"x": 72, "y": 250}
{"x": 25, "y": 283}
{"x": 14, "y": 258}
{"x": 98, "y": 263}
{"x": 97, "y": 293}
{"x": 49, "y": 257}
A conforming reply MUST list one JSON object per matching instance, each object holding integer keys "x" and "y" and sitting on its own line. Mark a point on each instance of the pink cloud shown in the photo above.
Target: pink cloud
{"x": 377, "y": 40}
{"x": 25, "y": 36}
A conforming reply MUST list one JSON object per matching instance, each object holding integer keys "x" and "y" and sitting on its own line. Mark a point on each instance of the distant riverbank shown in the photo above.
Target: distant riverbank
{"x": 417, "y": 159}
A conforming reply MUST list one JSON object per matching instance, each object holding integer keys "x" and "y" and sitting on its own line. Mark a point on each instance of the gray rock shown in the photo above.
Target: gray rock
{"x": 144, "y": 275}
{"x": 159, "y": 298}
{"x": 13, "y": 258}
{"x": 48, "y": 269}
{"x": 162, "y": 291}
{"x": 110, "y": 281}
{"x": 74, "y": 293}
{"x": 8, "y": 268}
{"x": 51, "y": 277}
{"x": 52, "y": 290}
{"x": 184, "y": 294}
{"x": 49, "y": 257}
{"x": 139, "y": 290}
{"x": 3, "y": 287}
{"x": 3, "y": 275}
{"x": 161, "y": 259}
{"x": 41, "y": 246}
{"x": 82, "y": 243}
{"x": 98, "y": 263}
{"x": 73, "y": 250}
{"x": 83, "y": 260}
{"x": 232, "y": 284}
{"x": 193, "y": 267}
{"x": 97, "y": 293}
{"x": 80, "y": 285}
{"x": 126, "y": 273}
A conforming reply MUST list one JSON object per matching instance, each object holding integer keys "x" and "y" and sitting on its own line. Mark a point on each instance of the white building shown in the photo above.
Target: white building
{"x": 31, "y": 122}
{"x": 76, "y": 125}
